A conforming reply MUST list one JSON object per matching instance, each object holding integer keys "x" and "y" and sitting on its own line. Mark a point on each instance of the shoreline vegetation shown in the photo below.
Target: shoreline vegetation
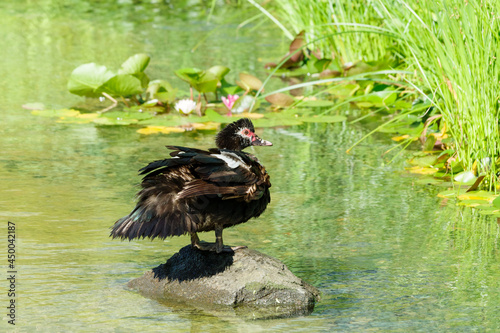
{"x": 451, "y": 46}
{"x": 426, "y": 71}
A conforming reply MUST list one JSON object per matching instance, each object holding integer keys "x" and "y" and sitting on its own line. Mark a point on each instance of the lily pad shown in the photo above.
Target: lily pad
{"x": 150, "y": 103}
{"x": 428, "y": 181}
{"x": 212, "y": 115}
{"x": 127, "y": 115}
{"x": 477, "y": 195}
{"x": 275, "y": 122}
{"x": 465, "y": 178}
{"x": 329, "y": 73}
{"x": 161, "y": 90}
{"x": 135, "y": 64}
{"x": 219, "y": 71}
{"x": 321, "y": 64}
{"x": 378, "y": 98}
{"x": 495, "y": 212}
{"x": 228, "y": 89}
{"x": 249, "y": 82}
{"x": 343, "y": 91}
{"x": 143, "y": 78}
{"x": 487, "y": 207}
{"x": 323, "y": 119}
{"x": 86, "y": 79}
{"x": 189, "y": 74}
{"x": 280, "y": 99}
{"x": 422, "y": 170}
{"x": 207, "y": 83}
{"x": 167, "y": 122}
{"x": 319, "y": 103}
{"x": 496, "y": 202}
{"x": 56, "y": 113}
{"x": 243, "y": 104}
{"x": 424, "y": 161}
{"x": 472, "y": 203}
{"x": 202, "y": 81}
{"x": 117, "y": 118}
{"x": 209, "y": 126}
{"x": 298, "y": 43}
{"x": 160, "y": 129}
{"x": 84, "y": 118}
{"x": 114, "y": 122}
{"x": 253, "y": 115}
{"x": 401, "y": 138}
{"x": 429, "y": 143}
{"x": 451, "y": 193}
{"x": 122, "y": 85}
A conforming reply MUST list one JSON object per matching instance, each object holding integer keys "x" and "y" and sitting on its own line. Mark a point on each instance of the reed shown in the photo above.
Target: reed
{"x": 332, "y": 18}
{"x": 451, "y": 45}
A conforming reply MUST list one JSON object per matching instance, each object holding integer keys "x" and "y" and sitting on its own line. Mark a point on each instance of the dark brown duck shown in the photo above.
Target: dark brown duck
{"x": 198, "y": 190}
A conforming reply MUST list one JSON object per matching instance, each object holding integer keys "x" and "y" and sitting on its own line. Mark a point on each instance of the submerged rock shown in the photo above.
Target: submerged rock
{"x": 245, "y": 280}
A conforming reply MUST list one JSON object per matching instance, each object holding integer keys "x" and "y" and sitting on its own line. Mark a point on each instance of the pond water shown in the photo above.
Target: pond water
{"x": 385, "y": 252}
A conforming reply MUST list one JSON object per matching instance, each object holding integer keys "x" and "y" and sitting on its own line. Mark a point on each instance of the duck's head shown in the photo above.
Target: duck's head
{"x": 239, "y": 135}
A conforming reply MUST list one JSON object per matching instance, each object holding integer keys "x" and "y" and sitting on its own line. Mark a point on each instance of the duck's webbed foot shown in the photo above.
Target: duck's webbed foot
{"x": 205, "y": 246}
{"x": 217, "y": 247}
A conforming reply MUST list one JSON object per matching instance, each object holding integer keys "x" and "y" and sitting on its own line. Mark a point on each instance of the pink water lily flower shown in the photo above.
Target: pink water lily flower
{"x": 229, "y": 101}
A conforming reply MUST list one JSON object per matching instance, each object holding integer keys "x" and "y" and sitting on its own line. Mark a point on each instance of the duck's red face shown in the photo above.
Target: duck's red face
{"x": 239, "y": 135}
{"x": 254, "y": 140}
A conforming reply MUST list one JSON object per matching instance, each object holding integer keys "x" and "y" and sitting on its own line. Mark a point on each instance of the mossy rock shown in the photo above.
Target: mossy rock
{"x": 246, "y": 281}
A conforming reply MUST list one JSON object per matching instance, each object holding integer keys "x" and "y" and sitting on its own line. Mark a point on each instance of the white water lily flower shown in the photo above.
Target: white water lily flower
{"x": 185, "y": 106}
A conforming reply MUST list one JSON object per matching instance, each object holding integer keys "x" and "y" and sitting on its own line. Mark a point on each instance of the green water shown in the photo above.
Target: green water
{"x": 386, "y": 253}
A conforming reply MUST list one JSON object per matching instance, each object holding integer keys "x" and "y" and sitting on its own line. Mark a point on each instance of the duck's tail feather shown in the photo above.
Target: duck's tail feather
{"x": 142, "y": 223}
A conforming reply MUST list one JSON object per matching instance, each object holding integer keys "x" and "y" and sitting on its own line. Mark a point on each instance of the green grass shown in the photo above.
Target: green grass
{"x": 329, "y": 18}
{"x": 451, "y": 45}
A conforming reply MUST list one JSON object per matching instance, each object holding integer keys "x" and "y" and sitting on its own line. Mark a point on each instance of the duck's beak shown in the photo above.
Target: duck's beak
{"x": 259, "y": 142}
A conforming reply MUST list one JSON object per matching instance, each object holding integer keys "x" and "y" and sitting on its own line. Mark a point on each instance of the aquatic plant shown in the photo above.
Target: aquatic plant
{"x": 453, "y": 46}
{"x": 92, "y": 80}
{"x": 152, "y": 100}
{"x": 185, "y": 106}
{"x": 343, "y": 23}
{"x": 229, "y": 102}
{"x": 203, "y": 81}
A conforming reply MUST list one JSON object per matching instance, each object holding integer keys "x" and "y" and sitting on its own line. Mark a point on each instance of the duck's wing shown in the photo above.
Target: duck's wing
{"x": 231, "y": 175}
{"x": 159, "y": 212}
{"x": 180, "y": 156}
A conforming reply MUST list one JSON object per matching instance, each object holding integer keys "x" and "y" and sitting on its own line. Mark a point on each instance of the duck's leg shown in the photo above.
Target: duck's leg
{"x": 195, "y": 241}
{"x": 204, "y": 246}
{"x": 218, "y": 246}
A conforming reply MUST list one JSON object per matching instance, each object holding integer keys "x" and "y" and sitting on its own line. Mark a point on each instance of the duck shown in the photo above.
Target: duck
{"x": 201, "y": 190}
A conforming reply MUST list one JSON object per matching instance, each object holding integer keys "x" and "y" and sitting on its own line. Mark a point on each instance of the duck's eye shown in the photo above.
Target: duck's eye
{"x": 246, "y": 132}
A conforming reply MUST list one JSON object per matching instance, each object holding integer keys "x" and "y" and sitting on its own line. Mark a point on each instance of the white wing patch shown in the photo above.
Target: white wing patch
{"x": 232, "y": 160}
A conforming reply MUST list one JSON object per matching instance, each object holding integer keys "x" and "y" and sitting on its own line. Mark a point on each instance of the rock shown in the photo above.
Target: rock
{"x": 246, "y": 280}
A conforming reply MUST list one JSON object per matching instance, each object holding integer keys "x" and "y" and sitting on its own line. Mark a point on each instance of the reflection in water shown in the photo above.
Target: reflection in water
{"x": 379, "y": 247}
{"x": 473, "y": 239}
